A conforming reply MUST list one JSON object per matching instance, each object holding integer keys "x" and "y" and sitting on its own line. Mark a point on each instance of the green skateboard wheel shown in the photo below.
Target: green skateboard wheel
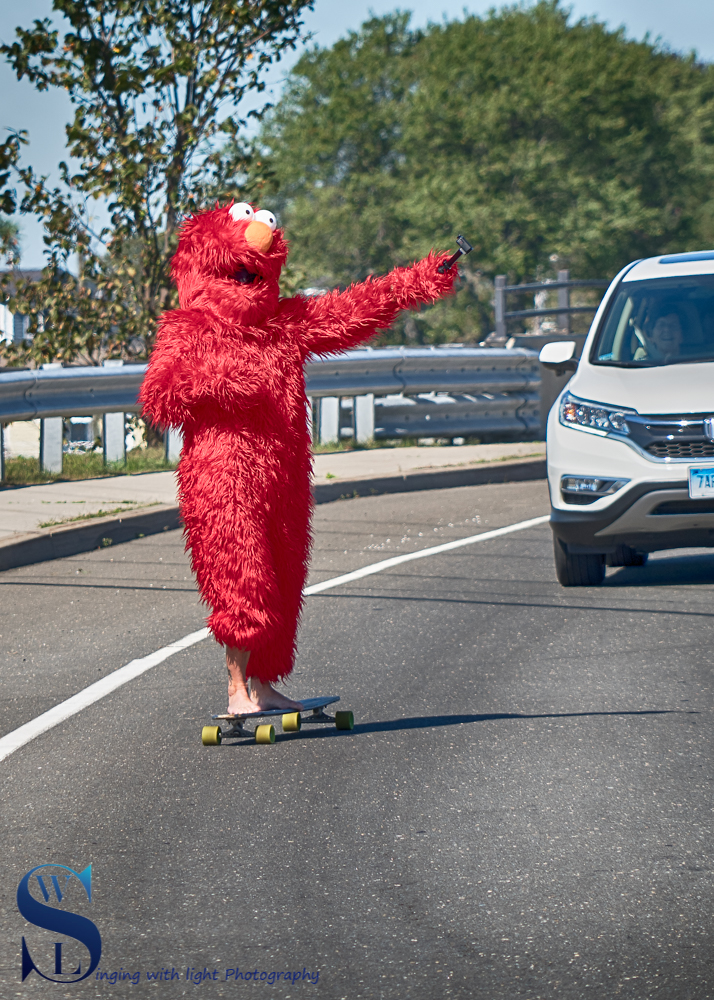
{"x": 265, "y": 734}
{"x": 344, "y": 720}
{"x": 292, "y": 722}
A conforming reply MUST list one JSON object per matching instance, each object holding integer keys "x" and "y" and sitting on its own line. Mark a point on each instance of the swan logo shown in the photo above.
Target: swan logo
{"x": 57, "y": 885}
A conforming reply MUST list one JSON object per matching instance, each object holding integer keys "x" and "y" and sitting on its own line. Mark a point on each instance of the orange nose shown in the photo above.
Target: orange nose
{"x": 259, "y": 235}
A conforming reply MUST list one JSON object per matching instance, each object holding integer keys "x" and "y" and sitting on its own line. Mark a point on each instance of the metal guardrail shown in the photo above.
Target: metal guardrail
{"x": 412, "y": 370}
{"x": 69, "y": 392}
{"x": 485, "y": 391}
{"x": 500, "y": 414}
{"x": 66, "y": 392}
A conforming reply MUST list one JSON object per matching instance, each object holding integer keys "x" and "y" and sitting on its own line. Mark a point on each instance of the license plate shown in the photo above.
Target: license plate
{"x": 701, "y": 482}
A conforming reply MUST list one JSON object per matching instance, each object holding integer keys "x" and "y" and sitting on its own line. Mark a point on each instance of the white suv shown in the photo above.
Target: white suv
{"x": 630, "y": 439}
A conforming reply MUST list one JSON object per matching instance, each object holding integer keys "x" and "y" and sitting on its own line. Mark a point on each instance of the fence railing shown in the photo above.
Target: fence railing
{"x": 564, "y": 310}
{"x": 370, "y": 393}
{"x": 68, "y": 392}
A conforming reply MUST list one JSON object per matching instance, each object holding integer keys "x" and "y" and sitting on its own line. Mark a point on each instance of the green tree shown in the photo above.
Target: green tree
{"x": 154, "y": 83}
{"x": 9, "y": 230}
{"x": 547, "y": 143}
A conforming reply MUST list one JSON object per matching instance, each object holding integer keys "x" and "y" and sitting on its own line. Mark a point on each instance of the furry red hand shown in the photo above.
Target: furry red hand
{"x": 422, "y": 283}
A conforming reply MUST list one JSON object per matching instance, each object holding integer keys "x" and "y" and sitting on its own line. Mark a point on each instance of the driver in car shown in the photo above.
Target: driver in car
{"x": 662, "y": 341}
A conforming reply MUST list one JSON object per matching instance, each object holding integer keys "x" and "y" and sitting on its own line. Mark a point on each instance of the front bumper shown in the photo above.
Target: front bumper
{"x": 647, "y": 517}
{"x": 653, "y": 512}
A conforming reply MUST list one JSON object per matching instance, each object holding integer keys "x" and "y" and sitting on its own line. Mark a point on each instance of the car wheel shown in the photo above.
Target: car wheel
{"x": 577, "y": 570}
{"x": 625, "y": 555}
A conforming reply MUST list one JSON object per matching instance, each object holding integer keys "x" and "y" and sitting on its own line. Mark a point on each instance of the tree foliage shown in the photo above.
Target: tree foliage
{"x": 547, "y": 143}
{"x": 153, "y": 83}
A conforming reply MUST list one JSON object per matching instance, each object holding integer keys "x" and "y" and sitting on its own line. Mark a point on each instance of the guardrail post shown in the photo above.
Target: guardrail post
{"x": 113, "y": 428}
{"x": 114, "y": 438}
{"x": 500, "y": 306}
{"x": 329, "y": 419}
{"x": 564, "y": 303}
{"x": 51, "y": 444}
{"x": 51, "y": 435}
{"x": 364, "y": 418}
{"x": 173, "y": 443}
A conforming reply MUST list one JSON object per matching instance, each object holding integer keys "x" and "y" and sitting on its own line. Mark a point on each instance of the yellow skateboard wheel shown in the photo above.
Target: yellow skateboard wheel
{"x": 211, "y": 736}
{"x": 265, "y": 734}
{"x": 292, "y": 722}
{"x": 344, "y": 720}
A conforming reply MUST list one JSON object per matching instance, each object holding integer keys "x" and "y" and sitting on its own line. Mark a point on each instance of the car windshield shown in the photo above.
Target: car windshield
{"x": 667, "y": 321}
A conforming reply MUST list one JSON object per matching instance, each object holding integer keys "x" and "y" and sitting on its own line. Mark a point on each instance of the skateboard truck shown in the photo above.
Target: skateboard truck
{"x": 236, "y": 727}
{"x": 464, "y": 248}
{"x": 319, "y": 715}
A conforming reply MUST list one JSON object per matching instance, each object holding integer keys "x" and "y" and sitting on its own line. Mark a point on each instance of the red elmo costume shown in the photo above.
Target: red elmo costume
{"x": 228, "y": 369}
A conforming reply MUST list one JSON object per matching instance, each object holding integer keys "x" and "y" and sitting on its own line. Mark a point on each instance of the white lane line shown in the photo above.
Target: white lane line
{"x": 24, "y": 734}
{"x": 358, "y": 574}
{"x": 19, "y": 737}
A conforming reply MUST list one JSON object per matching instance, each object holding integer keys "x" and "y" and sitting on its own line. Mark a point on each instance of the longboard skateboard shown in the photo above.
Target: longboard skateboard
{"x": 313, "y": 711}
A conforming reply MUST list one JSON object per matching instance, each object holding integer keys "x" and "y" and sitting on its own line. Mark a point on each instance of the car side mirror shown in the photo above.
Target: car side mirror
{"x": 558, "y": 356}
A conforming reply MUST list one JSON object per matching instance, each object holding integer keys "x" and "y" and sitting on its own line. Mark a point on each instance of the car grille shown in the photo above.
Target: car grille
{"x": 681, "y": 449}
{"x": 704, "y": 506}
{"x": 671, "y": 437}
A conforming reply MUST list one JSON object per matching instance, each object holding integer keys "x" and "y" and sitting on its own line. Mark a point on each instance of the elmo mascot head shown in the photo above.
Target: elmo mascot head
{"x": 230, "y": 259}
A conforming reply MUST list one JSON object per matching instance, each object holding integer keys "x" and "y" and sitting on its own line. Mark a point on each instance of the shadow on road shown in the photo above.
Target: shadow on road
{"x": 437, "y": 721}
{"x": 497, "y": 603}
{"x": 672, "y": 571}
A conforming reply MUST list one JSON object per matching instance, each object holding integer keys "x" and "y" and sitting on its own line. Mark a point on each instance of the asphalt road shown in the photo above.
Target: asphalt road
{"x": 524, "y": 808}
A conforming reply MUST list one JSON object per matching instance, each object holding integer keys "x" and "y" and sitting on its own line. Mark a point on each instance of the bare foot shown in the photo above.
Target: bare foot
{"x": 239, "y": 701}
{"x": 261, "y": 696}
{"x": 264, "y": 696}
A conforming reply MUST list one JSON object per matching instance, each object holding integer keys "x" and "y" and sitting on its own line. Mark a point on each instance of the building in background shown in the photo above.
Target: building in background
{"x": 13, "y": 326}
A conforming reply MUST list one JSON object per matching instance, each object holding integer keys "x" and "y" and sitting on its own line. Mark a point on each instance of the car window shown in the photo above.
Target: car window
{"x": 666, "y": 321}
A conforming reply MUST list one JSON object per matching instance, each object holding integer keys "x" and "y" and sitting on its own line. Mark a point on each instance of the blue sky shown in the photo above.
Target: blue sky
{"x": 684, "y": 26}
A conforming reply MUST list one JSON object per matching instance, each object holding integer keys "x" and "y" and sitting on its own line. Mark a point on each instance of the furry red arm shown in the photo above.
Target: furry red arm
{"x": 340, "y": 320}
{"x": 192, "y": 368}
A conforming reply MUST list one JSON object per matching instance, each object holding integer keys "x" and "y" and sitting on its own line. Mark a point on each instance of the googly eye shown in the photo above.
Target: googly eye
{"x": 242, "y": 212}
{"x": 267, "y": 217}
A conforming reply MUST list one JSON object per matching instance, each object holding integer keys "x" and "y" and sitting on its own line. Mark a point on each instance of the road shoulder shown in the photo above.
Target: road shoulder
{"x": 151, "y": 515}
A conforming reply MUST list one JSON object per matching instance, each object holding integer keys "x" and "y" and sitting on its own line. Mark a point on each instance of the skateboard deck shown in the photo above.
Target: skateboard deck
{"x": 313, "y": 711}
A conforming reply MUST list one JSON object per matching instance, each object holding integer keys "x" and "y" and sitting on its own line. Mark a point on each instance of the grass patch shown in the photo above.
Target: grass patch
{"x": 99, "y": 513}
{"x": 26, "y": 471}
{"x": 348, "y": 444}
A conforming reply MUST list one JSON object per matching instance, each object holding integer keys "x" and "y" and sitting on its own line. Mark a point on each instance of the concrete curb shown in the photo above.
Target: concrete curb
{"x": 101, "y": 532}
{"x": 516, "y": 471}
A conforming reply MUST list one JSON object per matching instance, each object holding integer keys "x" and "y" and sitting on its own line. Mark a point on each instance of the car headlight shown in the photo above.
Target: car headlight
{"x": 598, "y": 418}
